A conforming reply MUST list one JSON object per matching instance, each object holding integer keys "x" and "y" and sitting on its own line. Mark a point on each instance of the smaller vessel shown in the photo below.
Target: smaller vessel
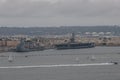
{"x": 77, "y": 59}
{"x": 10, "y": 58}
{"x": 93, "y": 58}
{"x": 74, "y": 45}
{"x": 26, "y": 46}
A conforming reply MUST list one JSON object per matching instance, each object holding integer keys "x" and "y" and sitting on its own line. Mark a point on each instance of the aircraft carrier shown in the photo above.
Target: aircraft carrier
{"x": 74, "y": 45}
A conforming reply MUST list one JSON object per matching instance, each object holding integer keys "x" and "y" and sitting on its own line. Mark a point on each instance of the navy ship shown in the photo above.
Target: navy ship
{"x": 74, "y": 45}
{"x": 26, "y": 46}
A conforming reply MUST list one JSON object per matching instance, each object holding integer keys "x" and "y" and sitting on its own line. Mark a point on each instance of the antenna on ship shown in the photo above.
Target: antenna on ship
{"x": 72, "y": 39}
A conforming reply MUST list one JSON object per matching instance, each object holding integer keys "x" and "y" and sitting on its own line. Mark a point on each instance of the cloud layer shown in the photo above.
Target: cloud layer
{"x": 59, "y": 12}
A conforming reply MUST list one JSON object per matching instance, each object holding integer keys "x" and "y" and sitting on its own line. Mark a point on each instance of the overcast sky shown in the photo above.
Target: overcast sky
{"x": 59, "y": 12}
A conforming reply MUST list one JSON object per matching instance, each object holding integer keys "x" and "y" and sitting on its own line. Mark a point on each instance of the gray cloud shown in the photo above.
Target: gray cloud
{"x": 59, "y": 12}
{"x": 90, "y": 8}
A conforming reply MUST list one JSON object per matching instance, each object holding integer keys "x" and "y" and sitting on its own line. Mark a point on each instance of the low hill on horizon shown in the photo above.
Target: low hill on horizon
{"x": 57, "y": 30}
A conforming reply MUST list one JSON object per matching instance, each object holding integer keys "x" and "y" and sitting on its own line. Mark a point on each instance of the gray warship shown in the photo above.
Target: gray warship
{"x": 26, "y": 46}
{"x": 74, "y": 45}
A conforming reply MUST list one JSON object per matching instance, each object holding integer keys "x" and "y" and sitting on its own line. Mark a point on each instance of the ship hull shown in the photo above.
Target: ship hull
{"x": 74, "y": 46}
{"x": 28, "y": 50}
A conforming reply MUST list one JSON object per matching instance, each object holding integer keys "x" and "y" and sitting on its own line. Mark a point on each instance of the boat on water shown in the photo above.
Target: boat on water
{"x": 74, "y": 45}
{"x": 11, "y": 58}
{"x": 27, "y": 46}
